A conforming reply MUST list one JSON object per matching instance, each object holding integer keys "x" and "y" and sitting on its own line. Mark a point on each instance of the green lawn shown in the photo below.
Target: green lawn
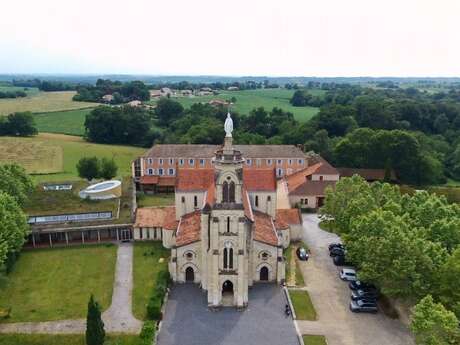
{"x": 55, "y": 284}
{"x": 303, "y": 306}
{"x": 246, "y": 100}
{"x": 65, "y": 122}
{"x": 64, "y": 339}
{"x": 145, "y": 269}
{"x": 74, "y": 148}
{"x": 314, "y": 340}
{"x": 147, "y": 200}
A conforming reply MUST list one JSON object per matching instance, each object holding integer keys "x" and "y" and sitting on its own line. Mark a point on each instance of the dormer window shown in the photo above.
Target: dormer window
{"x": 269, "y": 161}
{"x": 248, "y": 161}
{"x": 202, "y": 162}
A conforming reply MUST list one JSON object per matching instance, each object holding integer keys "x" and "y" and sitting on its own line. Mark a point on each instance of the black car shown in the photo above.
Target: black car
{"x": 363, "y": 306}
{"x": 358, "y": 284}
{"x": 336, "y": 245}
{"x": 364, "y": 294}
{"x": 339, "y": 260}
{"x": 336, "y": 251}
{"x": 302, "y": 253}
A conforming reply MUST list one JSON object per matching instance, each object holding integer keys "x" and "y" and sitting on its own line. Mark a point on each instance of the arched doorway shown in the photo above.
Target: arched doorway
{"x": 227, "y": 293}
{"x": 264, "y": 274}
{"x": 189, "y": 275}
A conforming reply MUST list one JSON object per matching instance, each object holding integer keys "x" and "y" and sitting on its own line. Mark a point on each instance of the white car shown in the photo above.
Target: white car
{"x": 348, "y": 274}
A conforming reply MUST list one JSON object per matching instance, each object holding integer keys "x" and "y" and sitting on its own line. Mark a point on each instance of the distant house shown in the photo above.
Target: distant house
{"x": 107, "y": 98}
{"x": 204, "y": 93}
{"x": 187, "y": 93}
{"x": 155, "y": 93}
{"x": 166, "y": 92}
{"x": 206, "y": 89}
{"x": 135, "y": 103}
{"x": 233, "y": 88}
{"x": 370, "y": 175}
{"x": 218, "y": 103}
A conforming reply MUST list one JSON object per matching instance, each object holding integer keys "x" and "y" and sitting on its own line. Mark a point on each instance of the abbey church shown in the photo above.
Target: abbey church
{"x": 225, "y": 231}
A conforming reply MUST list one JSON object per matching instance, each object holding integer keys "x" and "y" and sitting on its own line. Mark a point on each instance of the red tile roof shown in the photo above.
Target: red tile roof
{"x": 367, "y": 174}
{"x": 296, "y": 179}
{"x": 194, "y": 179}
{"x": 325, "y": 168}
{"x": 259, "y": 179}
{"x": 264, "y": 229}
{"x": 189, "y": 229}
{"x": 247, "y": 205}
{"x": 169, "y": 181}
{"x": 313, "y": 188}
{"x": 289, "y": 216}
{"x": 149, "y": 217}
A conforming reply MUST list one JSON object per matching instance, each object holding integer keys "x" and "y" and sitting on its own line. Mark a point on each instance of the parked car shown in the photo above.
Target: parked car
{"x": 364, "y": 294}
{"x": 348, "y": 274}
{"x": 336, "y": 245}
{"x": 340, "y": 260}
{"x": 337, "y": 251}
{"x": 302, "y": 253}
{"x": 363, "y": 306}
{"x": 358, "y": 284}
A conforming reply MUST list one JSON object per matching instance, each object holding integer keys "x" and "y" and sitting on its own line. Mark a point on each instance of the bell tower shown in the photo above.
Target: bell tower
{"x": 228, "y": 251}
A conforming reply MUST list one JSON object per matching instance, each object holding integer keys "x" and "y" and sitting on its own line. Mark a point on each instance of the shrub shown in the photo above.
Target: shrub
{"x": 154, "y": 308}
{"x": 148, "y": 332}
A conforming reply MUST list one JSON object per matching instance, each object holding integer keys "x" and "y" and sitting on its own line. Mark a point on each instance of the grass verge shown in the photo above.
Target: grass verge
{"x": 70, "y": 122}
{"x": 55, "y": 284}
{"x": 145, "y": 269}
{"x": 147, "y": 200}
{"x": 65, "y": 339}
{"x": 314, "y": 340}
{"x": 302, "y": 304}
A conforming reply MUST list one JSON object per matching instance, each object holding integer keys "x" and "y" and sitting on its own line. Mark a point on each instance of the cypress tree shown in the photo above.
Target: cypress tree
{"x": 95, "y": 333}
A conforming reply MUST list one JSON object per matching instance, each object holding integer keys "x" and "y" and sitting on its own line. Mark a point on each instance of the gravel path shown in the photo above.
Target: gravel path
{"x": 331, "y": 298}
{"x": 118, "y": 318}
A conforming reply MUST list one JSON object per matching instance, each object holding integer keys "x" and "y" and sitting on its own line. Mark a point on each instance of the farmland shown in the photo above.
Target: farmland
{"x": 247, "y": 100}
{"x": 72, "y": 148}
{"x": 65, "y": 122}
{"x": 42, "y": 102}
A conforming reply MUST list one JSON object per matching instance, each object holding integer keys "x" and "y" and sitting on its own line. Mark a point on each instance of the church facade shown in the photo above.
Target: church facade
{"x": 224, "y": 231}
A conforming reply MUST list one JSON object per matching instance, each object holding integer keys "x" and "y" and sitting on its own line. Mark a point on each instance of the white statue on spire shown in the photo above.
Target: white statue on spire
{"x": 228, "y": 126}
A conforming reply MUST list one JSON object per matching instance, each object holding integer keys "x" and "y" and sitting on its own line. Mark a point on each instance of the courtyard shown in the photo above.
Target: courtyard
{"x": 187, "y": 319}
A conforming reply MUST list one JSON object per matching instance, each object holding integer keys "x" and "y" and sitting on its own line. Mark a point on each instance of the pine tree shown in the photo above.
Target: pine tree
{"x": 95, "y": 333}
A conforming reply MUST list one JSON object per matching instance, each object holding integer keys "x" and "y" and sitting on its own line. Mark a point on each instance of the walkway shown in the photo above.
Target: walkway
{"x": 118, "y": 318}
{"x": 331, "y": 298}
{"x": 282, "y": 199}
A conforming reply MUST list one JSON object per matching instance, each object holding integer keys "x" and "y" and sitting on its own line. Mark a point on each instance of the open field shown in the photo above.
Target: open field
{"x": 37, "y": 157}
{"x": 64, "y": 339}
{"x": 70, "y": 122}
{"x": 302, "y": 304}
{"x": 73, "y": 148}
{"x": 55, "y": 284}
{"x": 43, "y": 102}
{"x": 146, "y": 200}
{"x": 246, "y": 100}
{"x": 145, "y": 269}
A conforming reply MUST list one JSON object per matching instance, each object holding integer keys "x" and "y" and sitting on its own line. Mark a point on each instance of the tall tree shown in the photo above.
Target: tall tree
{"x": 432, "y": 324}
{"x": 89, "y": 168}
{"x": 95, "y": 333}
{"x": 108, "y": 168}
{"x": 15, "y": 181}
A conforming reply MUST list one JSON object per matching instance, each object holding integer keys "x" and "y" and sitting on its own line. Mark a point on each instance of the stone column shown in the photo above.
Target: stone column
{"x": 66, "y": 238}
{"x": 82, "y": 237}
{"x": 98, "y": 236}
{"x": 33, "y": 239}
{"x": 51, "y": 242}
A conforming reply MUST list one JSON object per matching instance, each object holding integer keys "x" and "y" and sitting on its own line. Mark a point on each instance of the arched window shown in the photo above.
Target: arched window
{"x": 228, "y": 224}
{"x": 225, "y": 191}
{"x": 231, "y": 193}
{"x": 225, "y": 258}
{"x": 230, "y": 259}
{"x": 257, "y": 201}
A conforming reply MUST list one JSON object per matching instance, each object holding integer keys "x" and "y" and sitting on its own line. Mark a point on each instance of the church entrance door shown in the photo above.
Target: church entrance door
{"x": 264, "y": 274}
{"x": 227, "y": 293}
{"x": 189, "y": 275}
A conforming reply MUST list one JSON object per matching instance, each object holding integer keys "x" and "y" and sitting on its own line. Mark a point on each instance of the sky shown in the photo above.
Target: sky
{"x": 323, "y": 38}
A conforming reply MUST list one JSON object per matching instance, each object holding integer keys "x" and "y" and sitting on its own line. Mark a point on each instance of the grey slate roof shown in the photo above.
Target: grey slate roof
{"x": 207, "y": 151}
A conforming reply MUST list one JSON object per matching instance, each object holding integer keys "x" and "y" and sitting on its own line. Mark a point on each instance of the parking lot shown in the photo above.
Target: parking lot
{"x": 331, "y": 297}
{"x": 188, "y": 320}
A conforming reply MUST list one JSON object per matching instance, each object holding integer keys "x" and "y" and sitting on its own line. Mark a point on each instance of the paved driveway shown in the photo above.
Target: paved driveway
{"x": 188, "y": 320}
{"x": 331, "y": 298}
